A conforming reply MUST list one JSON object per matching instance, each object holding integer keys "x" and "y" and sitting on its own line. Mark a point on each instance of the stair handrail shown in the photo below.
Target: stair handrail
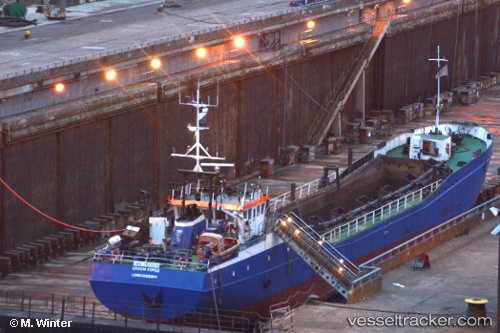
{"x": 339, "y": 259}
{"x": 328, "y": 246}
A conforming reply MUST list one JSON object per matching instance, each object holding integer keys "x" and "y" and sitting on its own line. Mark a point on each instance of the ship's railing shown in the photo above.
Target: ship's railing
{"x": 88, "y": 312}
{"x": 176, "y": 261}
{"x": 316, "y": 185}
{"x": 379, "y": 215}
{"x": 247, "y": 192}
{"x": 397, "y": 141}
{"x": 301, "y": 192}
{"x": 475, "y": 213}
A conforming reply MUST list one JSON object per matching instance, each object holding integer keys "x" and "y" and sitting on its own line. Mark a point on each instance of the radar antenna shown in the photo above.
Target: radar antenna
{"x": 197, "y": 151}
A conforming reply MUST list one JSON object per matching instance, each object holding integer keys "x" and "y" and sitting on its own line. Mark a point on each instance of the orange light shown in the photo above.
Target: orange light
{"x": 406, "y": 1}
{"x": 155, "y": 63}
{"x": 110, "y": 75}
{"x": 239, "y": 42}
{"x": 59, "y": 87}
{"x": 310, "y": 24}
{"x": 297, "y": 231}
{"x": 201, "y": 52}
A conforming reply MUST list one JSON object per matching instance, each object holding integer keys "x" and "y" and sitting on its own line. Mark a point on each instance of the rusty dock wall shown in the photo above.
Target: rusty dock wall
{"x": 80, "y": 156}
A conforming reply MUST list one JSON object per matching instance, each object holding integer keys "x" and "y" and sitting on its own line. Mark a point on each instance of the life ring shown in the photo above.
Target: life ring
{"x": 183, "y": 262}
{"x": 115, "y": 255}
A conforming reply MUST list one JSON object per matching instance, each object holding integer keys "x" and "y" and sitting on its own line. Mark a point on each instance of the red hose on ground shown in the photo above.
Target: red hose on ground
{"x": 50, "y": 217}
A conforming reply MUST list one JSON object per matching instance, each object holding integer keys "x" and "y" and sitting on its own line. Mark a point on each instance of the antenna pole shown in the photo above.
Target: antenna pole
{"x": 441, "y": 72}
{"x": 197, "y": 168}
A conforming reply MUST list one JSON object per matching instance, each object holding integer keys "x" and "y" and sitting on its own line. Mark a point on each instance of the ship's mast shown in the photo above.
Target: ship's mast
{"x": 200, "y": 153}
{"x": 441, "y": 72}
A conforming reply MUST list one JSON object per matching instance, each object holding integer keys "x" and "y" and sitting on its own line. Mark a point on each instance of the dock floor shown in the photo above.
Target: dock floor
{"x": 465, "y": 267}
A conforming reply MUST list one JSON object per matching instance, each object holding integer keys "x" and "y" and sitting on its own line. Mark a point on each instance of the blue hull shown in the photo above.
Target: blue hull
{"x": 458, "y": 193}
{"x": 269, "y": 272}
{"x": 249, "y": 283}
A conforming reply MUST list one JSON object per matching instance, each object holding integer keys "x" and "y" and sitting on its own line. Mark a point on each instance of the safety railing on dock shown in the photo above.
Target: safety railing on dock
{"x": 89, "y": 312}
{"x": 379, "y": 215}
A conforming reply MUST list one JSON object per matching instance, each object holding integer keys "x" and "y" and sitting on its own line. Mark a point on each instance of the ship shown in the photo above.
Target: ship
{"x": 225, "y": 250}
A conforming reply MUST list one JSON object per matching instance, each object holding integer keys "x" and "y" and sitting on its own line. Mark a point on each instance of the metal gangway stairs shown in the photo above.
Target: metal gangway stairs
{"x": 322, "y": 257}
{"x": 337, "y": 97}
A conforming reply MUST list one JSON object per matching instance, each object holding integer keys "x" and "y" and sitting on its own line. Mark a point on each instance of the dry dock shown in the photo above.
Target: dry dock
{"x": 464, "y": 267}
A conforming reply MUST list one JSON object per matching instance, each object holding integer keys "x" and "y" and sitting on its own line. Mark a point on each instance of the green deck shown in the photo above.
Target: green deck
{"x": 462, "y": 153}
